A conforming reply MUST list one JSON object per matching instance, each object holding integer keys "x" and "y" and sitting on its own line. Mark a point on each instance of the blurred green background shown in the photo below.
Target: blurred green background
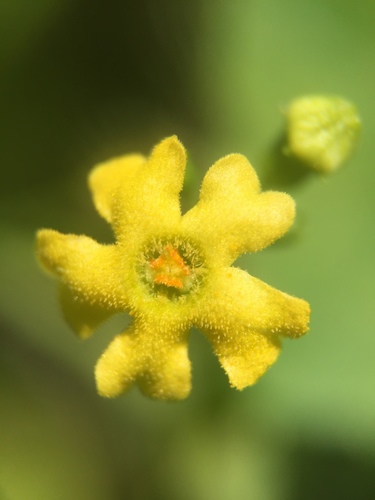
{"x": 83, "y": 81}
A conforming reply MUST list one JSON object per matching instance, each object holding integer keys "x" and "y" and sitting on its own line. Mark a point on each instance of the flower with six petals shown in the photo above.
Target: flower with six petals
{"x": 171, "y": 272}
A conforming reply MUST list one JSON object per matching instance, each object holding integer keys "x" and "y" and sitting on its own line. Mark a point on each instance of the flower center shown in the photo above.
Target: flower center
{"x": 171, "y": 268}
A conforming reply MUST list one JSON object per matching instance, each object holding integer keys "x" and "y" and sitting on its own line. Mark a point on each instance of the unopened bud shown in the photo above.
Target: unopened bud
{"x": 322, "y": 131}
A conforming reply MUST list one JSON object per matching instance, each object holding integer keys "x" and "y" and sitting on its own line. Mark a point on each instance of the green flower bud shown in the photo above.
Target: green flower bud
{"x": 322, "y": 131}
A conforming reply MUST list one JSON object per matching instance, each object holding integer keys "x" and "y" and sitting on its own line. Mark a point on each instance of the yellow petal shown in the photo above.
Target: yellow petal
{"x": 150, "y": 201}
{"x": 233, "y": 299}
{"x": 243, "y": 319}
{"x": 106, "y": 178}
{"x": 88, "y": 269}
{"x": 156, "y": 359}
{"x": 81, "y": 316}
{"x": 232, "y": 216}
{"x": 246, "y": 359}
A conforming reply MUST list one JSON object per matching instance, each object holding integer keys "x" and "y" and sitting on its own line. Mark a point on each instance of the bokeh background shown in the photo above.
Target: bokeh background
{"x": 83, "y": 81}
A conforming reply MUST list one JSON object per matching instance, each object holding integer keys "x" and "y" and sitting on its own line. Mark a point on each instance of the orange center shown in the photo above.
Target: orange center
{"x": 170, "y": 268}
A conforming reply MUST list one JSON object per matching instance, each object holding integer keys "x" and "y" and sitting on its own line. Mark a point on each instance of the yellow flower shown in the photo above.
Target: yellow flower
{"x": 171, "y": 272}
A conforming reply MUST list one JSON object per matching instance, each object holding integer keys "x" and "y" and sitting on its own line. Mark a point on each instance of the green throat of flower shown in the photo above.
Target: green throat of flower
{"x": 171, "y": 267}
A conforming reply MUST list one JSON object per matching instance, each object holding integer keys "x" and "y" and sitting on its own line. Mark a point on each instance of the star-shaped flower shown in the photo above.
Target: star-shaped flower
{"x": 171, "y": 272}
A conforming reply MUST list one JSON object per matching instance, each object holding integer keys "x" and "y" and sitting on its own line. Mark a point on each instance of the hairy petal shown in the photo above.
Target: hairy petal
{"x": 86, "y": 268}
{"x": 233, "y": 216}
{"x": 154, "y": 357}
{"x": 243, "y": 319}
{"x": 108, "y": 177}
{"x": 233, "y": 297}
{"x": 245, "y": 359}
{"x": 150, "y": 201}
{"x": 81, "y": 316}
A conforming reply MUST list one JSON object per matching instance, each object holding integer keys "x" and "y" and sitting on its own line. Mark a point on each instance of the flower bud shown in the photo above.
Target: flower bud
{"x": 322, "y": 131}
